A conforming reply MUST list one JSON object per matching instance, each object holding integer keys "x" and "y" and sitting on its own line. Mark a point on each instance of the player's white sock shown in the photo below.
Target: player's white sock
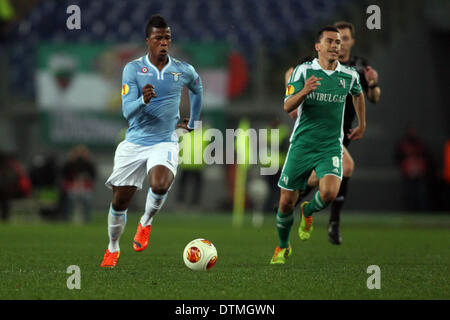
{"x": 116, "y": 225}
{"x": 153, "y": 203}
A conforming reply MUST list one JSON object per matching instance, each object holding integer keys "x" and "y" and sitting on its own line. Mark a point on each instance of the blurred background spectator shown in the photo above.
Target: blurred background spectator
{"x": 45, "y": 175}
{"x": 282, "y": 148}
{"x": 190, "y": 170}
{"x": 415, "y": 164}
{"x": 78, "y": 176}
{"x": 446, "y": 177}
{"x": 14, "y": 183}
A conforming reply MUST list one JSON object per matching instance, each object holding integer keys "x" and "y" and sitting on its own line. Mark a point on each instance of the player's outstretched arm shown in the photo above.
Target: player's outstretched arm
{"x": 294, "y": 101}
{"x": 360, "y": 109}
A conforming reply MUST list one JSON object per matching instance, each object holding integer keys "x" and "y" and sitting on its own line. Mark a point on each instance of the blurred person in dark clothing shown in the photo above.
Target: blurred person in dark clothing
{"x": 44, "y": 175}
{"x": 14, "y": 183}
{"x": 414, "y": 161}
{"x": 44, "y": 170}
{"x": 282, "y": 147}
{"x": 78, "y": 176}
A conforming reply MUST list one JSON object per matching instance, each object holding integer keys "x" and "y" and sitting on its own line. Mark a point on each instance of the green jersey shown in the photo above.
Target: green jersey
{"x": 321, "y": 114}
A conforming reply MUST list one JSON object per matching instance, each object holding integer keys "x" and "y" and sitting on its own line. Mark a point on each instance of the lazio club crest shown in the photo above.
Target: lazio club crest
{"x": 176, "y": 76}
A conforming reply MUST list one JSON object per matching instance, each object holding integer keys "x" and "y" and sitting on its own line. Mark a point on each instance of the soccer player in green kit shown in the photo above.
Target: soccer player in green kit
{"x": 318, "y": 89}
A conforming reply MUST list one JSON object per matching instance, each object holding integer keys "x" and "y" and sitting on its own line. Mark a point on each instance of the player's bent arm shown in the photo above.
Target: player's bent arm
{"x": 130, "y": 107}
{"x": 293, "y": 114}
{"x": 373, "y": 92}
{"x": 360, "y": 109}
{"x": 292, "y": 102}
{"x": 195, "y": 97}
{"x": 287, "y": 75}
{"x": 373, "y": 95}
{"x": 131, "y": 101}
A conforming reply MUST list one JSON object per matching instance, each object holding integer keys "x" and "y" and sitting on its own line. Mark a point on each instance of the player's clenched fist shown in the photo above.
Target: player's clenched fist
{"x": 311, "y": 84}
{"x": 148, "y": 92}
{"x": 371, "y": 75}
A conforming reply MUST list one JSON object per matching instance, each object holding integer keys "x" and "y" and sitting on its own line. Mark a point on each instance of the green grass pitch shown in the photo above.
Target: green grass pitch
{"x": 411, "y": 251}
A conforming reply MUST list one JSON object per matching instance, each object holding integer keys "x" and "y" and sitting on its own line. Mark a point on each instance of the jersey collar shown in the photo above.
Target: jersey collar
{"x": 316, "y": 66}
{"x": 159, "y": 75}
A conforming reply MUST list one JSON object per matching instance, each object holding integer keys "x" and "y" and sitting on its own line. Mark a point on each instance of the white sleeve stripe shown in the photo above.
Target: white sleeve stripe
{"x": 354, "y": 74}
{"x": 298, "y": 73}
{"x": 292, "y": 77}
{"x": 351, "y": 83}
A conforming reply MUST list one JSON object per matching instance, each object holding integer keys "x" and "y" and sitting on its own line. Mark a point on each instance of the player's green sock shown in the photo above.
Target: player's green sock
{"x": 316, "y": 204}
{"x": 284, "y": 224}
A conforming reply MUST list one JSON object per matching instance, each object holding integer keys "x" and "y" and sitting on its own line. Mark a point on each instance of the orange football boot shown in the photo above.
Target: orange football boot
{"x": 140, "y": 241}
{"x": 110, "y": 259}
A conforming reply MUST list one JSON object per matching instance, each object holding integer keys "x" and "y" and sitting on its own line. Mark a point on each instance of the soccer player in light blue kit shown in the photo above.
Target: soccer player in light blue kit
{"x": 151, "y": 91}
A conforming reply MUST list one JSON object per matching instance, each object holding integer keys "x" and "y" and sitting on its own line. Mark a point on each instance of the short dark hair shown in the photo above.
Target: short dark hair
{"x": 346, "y": 25}
{"x": 322, "y": 30}
{"x": 155, "y": 21}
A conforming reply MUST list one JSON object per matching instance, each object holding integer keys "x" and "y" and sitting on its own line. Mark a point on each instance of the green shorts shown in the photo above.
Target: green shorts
{"x": 300, "y": 162}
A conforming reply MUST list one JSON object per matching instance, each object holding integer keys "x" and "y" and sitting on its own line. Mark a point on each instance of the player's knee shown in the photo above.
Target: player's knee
{"x": 348, "y": 167}
{"x": 160, "y": 182}
{"x": 328, "y": 195}
{"x": 120, "y": 203}
{"x": 286, "y": 204}
{"x": 160, "y": 188}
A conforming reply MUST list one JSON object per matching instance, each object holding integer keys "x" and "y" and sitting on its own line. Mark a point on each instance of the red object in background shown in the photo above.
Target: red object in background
{"x": 23, "y": 181}
{"x": 413, "y": 159}
{"x": 25, "y": 186}
{"x": 446, "y": 169}
{"x": 237, "y": 75}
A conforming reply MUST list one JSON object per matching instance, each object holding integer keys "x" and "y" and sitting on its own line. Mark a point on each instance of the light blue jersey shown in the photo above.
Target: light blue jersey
{"x": 156, "y": 122}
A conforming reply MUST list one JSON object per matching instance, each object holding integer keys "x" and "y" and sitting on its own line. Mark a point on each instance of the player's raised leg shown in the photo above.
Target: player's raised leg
{"x": 160, "y": 179}
{"x": 328, "y": 189}
{"x": 285, "y": 220}
{"x": 117, "y": 219}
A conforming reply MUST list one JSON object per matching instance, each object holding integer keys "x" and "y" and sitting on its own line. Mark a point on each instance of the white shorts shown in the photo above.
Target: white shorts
{"x": 132, "y": 162}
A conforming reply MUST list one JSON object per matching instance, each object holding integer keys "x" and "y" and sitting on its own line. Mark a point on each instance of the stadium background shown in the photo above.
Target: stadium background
{"x": 242, "y": 49}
